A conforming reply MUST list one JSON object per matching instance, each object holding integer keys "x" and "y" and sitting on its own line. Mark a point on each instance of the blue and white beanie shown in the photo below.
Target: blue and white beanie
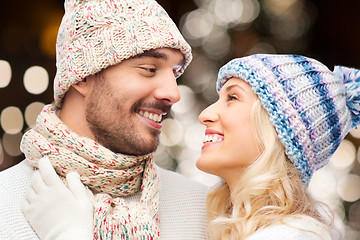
{"x": 311, "y": 107}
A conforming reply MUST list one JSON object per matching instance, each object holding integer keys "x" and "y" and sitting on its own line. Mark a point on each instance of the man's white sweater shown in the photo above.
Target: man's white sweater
{"x": 182, "y": 205}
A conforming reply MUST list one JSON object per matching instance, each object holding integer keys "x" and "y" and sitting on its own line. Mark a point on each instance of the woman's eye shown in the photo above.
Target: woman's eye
{"x": 231, "y": 97}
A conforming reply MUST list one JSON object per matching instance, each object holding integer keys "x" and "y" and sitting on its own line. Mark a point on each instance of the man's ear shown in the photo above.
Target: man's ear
{"x": 84, "y": 87}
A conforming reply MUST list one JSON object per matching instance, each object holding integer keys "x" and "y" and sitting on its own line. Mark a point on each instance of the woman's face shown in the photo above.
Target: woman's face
{"x": 229, "y": 142}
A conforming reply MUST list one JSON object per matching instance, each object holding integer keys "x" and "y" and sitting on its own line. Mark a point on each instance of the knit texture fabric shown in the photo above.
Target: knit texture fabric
{"x": 311, "y": 107}
{"x": 110, "y": 176}
{"x": 95, "y": 34}
{"x": 299, "y": 227}
{"x": 182, "y": 205}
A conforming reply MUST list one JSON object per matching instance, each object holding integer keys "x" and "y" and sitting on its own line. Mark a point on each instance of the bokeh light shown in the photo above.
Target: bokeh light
{"x": 278, "y": 7}
{"x": 323, "y": 184}
{"x": 348, "y": 188}
{"x": 212, "y": 47}
{"x": 11, "y": 143}
{"x": 31, "y": 113}
{"x": 48, "y": 39}
{"x": 194, "y": 135}
{"x": 5, "y": 73}
{"x": 233, "y": 12}
{"x": 228, "y": 11}
{"x": 197, "y": 25}
{"x": 187, "y": 101}
{"x": 36, "y": 80}
{"x": 12, "y": 120}
{"x": 344, "y": 156}
{"x": 171, "y": 133}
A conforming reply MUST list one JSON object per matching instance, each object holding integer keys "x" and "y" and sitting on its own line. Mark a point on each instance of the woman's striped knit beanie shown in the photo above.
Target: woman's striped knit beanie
{"x": 311, "y": 107}
{"x": 95, "y": 34}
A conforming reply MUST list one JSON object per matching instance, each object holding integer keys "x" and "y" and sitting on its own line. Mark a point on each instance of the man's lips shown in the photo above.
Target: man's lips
{"x": 152, "y": 117}
{"x": 156, "y": 117}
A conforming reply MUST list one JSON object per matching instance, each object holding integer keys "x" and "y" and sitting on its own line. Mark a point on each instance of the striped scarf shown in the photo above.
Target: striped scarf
{"x": 110, "y": 176}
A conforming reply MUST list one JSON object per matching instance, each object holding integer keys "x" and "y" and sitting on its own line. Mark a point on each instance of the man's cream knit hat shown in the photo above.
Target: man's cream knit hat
{"x": 95, "y": 34}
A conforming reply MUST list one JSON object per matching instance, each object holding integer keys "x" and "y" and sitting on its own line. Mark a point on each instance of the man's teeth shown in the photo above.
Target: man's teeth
{"x": 212, "y": 138}
{"x": 152, "y": 116}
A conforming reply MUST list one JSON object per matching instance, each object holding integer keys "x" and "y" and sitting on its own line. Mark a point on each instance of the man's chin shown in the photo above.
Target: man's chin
{"x": 146, "y": 147}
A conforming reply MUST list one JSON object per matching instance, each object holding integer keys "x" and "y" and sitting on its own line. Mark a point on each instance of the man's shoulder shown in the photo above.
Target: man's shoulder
{"x": 15, "y": 180}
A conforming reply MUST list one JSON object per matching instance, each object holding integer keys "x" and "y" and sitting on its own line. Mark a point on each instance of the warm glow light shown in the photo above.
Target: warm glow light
{"x": 5, "y": 73}
{"x": 11, "y": 143}
{"x": 172, "y": 132}
{"x": 31, "y": 113}
{"x": 36, "y": 80}
{"x": 12, "y": 120}
{"x": 349, "y": 188}
{"x": 48, "y": 39}
{"x": 278, "y": 7}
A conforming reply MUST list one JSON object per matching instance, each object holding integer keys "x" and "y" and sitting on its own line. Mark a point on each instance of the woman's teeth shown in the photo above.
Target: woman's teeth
{"x": 152, "y": 116}
{"x": 212, "y": 138}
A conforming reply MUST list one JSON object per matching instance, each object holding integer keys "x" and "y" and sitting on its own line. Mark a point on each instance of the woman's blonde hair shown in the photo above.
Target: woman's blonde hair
{"x": 267, "y": 189}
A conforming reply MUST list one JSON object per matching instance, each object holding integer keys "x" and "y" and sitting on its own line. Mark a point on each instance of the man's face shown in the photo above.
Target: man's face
{"x": 127, "y": 101}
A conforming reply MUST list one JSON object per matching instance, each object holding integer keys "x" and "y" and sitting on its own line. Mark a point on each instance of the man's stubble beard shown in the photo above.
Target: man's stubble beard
{"x": 112, "y": 127}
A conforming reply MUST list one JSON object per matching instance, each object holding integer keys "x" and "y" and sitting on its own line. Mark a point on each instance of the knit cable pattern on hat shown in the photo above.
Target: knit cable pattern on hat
{"x": 95, "y": 34}
{"x": 308, "y": 104}
{"x": 110, "y": 176}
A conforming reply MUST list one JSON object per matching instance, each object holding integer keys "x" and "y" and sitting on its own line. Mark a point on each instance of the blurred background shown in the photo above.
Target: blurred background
{"x": 218, "y": 31}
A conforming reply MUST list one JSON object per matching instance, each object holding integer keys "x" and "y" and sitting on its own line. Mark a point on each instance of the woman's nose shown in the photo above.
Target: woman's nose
{"x": 209, "y": 114}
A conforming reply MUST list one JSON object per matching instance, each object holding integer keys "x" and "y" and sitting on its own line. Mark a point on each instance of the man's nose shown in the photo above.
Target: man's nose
{"x": 168, "y": 89}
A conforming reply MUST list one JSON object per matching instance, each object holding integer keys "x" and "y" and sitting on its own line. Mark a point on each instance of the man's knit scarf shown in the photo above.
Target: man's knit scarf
{"x": 110, "y": 176}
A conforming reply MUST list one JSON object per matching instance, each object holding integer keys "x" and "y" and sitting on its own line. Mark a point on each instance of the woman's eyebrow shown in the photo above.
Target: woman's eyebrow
{"x": 232, "y": 86}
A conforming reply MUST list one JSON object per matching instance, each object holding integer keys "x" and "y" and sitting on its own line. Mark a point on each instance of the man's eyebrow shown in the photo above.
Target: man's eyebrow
{"x": 156, "y": 54}
{"x": 152, "y": 53}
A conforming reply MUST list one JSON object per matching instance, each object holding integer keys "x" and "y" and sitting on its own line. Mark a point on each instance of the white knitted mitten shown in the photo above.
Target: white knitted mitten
{"x": 55, "y": 211}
